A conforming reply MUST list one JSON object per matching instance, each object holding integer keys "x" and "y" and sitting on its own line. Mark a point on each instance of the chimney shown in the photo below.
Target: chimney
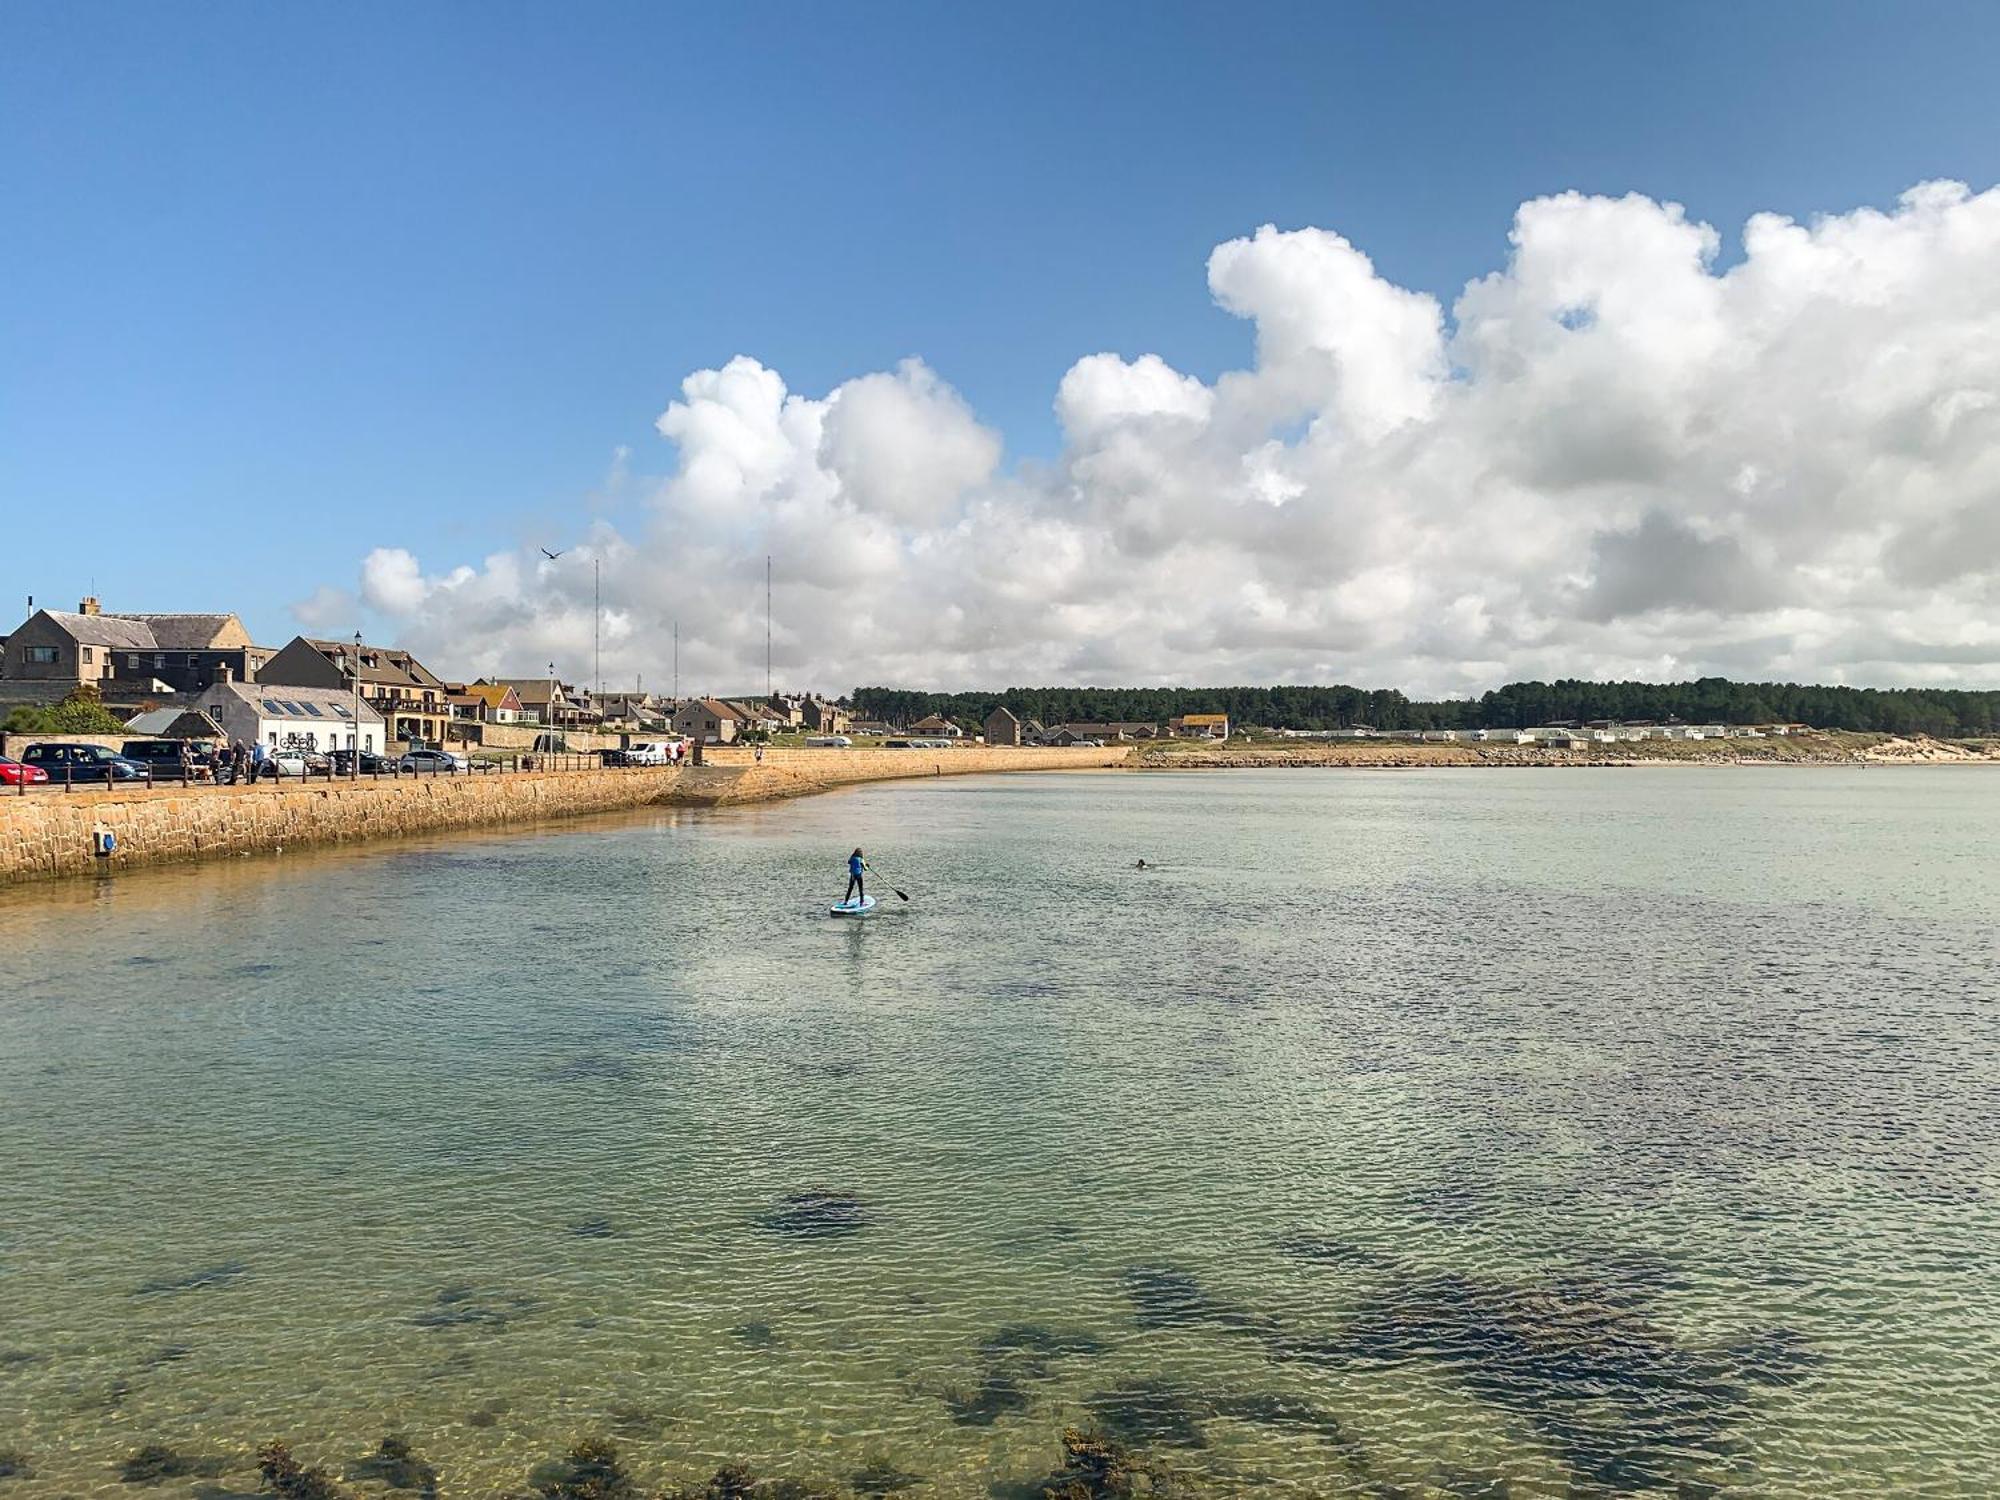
{"x": 88, "y": 606}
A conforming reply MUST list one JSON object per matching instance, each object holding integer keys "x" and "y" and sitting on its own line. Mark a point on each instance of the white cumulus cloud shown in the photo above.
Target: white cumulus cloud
{"x": 1608, "y": 457}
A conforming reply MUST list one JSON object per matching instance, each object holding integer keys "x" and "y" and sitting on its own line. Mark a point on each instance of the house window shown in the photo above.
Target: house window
{"x": 46, "y": 655}
{"x": 88, "y": 654}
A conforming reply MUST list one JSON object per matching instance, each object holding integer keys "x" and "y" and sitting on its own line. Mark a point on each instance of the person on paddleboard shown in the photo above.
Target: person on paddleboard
{"x": 855, "y": 888}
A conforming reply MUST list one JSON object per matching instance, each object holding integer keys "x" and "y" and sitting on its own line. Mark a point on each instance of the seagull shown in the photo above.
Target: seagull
{"x": 552, "y": 556}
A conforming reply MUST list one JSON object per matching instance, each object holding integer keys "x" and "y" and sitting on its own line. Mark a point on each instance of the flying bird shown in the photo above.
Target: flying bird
{"x": 552, "y": 556}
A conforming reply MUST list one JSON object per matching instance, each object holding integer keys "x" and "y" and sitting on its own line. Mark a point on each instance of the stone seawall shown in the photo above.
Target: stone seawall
{"x": 51, "y": 833}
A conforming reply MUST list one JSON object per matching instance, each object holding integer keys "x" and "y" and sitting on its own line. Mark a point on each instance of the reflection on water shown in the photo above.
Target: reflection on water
{"x": 1432, "y": 1133}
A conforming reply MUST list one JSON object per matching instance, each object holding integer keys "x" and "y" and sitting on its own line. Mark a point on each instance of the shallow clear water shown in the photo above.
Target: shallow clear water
{"x": 1438, "y": 1133}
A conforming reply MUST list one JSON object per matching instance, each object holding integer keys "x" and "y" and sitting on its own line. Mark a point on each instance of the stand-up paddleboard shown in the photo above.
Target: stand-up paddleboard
{"x": 859, "y": 908}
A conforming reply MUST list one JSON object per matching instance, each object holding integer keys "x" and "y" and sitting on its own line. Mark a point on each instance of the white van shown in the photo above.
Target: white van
{"x": 828, "y": 742}
{"x": 647, "y": 753}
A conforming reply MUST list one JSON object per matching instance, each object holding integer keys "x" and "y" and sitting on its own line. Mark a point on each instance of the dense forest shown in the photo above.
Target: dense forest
{"x": 1519, "y": 705}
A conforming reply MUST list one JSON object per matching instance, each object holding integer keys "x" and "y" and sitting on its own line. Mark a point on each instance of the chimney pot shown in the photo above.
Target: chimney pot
{"x": 88, "y": 606}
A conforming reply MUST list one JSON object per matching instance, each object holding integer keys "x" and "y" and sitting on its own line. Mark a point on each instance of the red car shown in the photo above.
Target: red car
{"x": 13, "y": 773}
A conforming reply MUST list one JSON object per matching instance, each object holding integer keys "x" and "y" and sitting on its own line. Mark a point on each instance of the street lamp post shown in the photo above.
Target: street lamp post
{"x": 354, "y": 736}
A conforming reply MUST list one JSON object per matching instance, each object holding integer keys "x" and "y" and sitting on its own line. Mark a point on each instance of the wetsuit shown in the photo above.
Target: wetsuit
{"x": 855, "y": 865}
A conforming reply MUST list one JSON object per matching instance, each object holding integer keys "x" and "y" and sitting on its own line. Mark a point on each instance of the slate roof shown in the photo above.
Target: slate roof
{"x": 320, "y": 703}
{"x": 122, "y": 632}
{"x": 177, "y": 723}
{"x": 393, "y": 667}
{"x": 179, "y": 632}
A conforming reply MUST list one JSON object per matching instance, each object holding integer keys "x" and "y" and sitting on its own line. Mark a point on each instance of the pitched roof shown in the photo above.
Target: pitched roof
{"x": 392, "y": 665}
{"x": 531, "y": 689}
{"x": 320, "y": 703}
{"x": 179, "y": 723}
{"x": 715, "y": 708}
{"x": 119, "y": 631}
{"x": 181, "y": 632}
{"x": 492, "y": 694}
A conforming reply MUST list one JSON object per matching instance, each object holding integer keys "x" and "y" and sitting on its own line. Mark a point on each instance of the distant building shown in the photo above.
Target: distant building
{"x": 1114, "y": 729}
{"x": 642, "y": 709}
{"x": 935, "y": 726}
{"x": 549, "y": 700}
{"x": 412, "y": 700}
{"x": 1200, "y": 726}
{"x": 755, "y": 713}
{"x": 708, "y": 721}
{"x": 501, "y": 704}
{"x": 292, "y": 717}
{"x": 824, "y": 717}
{"x": 1002, "y": 728}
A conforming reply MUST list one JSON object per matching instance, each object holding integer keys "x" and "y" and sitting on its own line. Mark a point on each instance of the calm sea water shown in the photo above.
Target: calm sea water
{"x": 1428, "y": 1133}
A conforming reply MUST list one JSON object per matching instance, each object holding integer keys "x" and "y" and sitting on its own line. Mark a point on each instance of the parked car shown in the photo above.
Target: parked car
{"x": 13, "y": 773}
{"x": 828, "y": 742}
{"x": 164, "y": 756}
{"x": 433, "y": 762}
{"x": 300, "y": 762}
{"x": 83, "y": 763}
{"x": 370, "y": 762}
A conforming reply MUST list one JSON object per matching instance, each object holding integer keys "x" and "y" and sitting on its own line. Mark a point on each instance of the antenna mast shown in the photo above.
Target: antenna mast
{"x": 767, "y": 625}
{"x": 597, "y": 626}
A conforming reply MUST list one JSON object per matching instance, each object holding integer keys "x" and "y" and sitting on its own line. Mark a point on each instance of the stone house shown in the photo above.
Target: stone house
{"x": 412, "y": 700}
{"x": 824, "y": 717}
{"x": 1002, "y": 728}
{"x": 152, "y": 653}
{"x": 707, "y": 721}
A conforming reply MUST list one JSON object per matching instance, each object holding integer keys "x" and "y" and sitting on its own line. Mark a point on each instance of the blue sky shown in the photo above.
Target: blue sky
{"x": 281, "y": 284}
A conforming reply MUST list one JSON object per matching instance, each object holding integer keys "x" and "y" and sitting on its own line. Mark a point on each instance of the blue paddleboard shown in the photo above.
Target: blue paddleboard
{"x": 859, "y": 908}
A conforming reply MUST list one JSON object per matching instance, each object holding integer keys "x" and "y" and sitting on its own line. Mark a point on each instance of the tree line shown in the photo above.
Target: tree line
{"x": 1518, "y": 705}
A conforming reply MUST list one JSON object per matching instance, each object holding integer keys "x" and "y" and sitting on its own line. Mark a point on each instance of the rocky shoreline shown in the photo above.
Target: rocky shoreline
{"x": 1830, "y": 748}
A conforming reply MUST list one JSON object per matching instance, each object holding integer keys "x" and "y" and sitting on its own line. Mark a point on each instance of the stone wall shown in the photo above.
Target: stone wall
{"x": 523, "y": 736}
{"x": 50, "y": 832}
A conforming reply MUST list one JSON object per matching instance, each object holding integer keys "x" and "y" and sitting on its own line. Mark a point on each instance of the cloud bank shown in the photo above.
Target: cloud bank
{"x": 1611, "y": 459}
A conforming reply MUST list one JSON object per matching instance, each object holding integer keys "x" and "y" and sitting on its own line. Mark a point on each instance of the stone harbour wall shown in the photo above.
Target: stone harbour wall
{"x": 46, "y": 833}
